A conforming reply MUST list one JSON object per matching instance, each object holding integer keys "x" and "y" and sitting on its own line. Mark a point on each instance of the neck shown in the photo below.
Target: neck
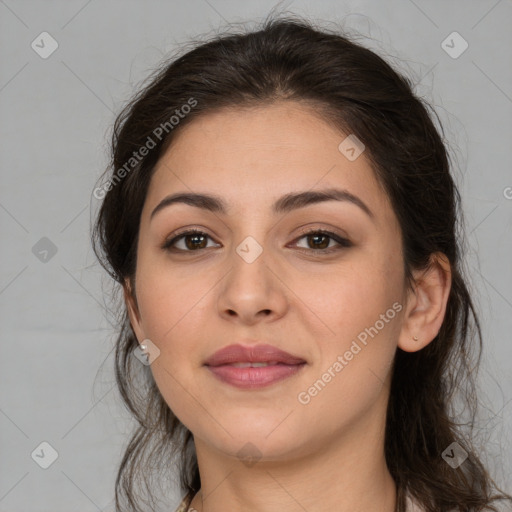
{"x": 344, "y": 473}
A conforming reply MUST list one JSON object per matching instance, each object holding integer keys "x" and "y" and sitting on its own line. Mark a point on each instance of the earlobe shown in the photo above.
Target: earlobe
{"x": 426, "y": 305}
{"x": 133, "y": 310}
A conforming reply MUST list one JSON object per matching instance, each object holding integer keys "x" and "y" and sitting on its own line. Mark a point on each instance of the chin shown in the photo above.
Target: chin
{"x": 264, "y": 442}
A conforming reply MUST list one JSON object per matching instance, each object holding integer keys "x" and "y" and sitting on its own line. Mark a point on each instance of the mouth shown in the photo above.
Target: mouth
{"x": 254, "y": 375}
{"x": 253, "y": 367}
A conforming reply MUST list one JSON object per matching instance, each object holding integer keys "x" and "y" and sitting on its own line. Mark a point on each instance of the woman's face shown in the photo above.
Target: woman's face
{"x": 252, "y": 277}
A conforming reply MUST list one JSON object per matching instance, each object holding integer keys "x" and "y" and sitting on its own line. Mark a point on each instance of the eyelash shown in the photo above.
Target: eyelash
{"x": 343, "y": 243}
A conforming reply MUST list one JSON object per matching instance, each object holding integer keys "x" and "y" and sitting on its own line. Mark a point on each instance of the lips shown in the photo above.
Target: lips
{"x": 236, "y": 354}
{"x": 253, "y": 367}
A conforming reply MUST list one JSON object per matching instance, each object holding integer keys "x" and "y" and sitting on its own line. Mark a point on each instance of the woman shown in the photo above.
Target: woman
{"x": 280, "y": 214}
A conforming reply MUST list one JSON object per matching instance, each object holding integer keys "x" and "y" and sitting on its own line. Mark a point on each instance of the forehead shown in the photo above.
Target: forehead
{"x": 250, "y": 156}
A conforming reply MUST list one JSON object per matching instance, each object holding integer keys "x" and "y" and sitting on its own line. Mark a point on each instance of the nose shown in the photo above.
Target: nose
{"x": 253, "y": 291}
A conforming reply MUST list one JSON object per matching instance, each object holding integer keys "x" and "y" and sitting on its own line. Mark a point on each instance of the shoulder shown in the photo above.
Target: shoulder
{"x": 184, "y": 504}
{"x": 411, "y": 505}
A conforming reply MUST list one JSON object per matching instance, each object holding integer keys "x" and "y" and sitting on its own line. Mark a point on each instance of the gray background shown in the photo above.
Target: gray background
{"x": 55, "y": 118}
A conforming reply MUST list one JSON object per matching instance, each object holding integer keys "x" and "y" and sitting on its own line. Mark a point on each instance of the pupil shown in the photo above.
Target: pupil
{"x": 316, "y": 237}
{"x": 194, "y": 239}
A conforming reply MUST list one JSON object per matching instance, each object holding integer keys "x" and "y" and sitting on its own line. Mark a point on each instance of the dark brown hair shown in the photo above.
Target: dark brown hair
{"x": 289, "y": 59}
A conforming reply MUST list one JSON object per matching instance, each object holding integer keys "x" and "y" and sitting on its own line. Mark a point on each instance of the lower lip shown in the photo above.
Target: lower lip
{"x": 254, "y": 378}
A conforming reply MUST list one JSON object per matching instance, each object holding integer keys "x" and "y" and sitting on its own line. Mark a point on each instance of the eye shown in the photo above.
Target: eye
{"x": 319, "y": 241}
{"x": 194, "y": 240}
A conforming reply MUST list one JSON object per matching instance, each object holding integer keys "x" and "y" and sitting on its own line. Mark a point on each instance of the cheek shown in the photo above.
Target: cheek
{"x": 349, "y": 298}
{"x": 361, "y": 309}
{"x": 353, "y": 371}
{"x": 167, "y": 297}
{"x": 175, "y": 308}
{"x": 170, "y": 309}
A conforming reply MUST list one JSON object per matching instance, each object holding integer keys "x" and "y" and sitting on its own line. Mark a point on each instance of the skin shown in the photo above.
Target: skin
{"x": 190, "y": 304}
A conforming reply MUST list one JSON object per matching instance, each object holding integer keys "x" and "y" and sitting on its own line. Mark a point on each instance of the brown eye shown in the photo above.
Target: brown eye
{"x": 319, "y": 241}
{"x": 193, "y": 240}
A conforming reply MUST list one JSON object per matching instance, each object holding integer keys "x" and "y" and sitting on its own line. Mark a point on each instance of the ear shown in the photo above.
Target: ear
{"x": 426, "y": 304}
{"x": 133, "y": 310}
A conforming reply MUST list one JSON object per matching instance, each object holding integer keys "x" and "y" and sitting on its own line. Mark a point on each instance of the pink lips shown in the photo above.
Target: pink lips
{"x": 253, "y": 367}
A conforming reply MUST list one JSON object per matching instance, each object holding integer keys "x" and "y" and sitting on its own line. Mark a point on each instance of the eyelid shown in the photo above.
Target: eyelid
{"x": 326, "y": 231}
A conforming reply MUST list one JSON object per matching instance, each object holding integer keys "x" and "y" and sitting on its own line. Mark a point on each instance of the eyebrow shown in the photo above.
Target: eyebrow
{"x": 284, "y": 204}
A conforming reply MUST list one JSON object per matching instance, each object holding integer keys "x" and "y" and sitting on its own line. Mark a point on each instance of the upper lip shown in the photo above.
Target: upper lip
{"x": 251, "y": 354}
